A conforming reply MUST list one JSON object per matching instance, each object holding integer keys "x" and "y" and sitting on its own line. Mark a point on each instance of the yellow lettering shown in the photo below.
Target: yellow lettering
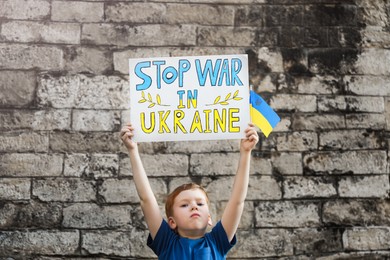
{"x": 179, "y": 115}
{"x": 196, "y": 123}
{"x": 152, "y": 123}
{"x": 207, "y": 115}
{"x": 232, "y": 119}
{"x": 163, "y": 124}
{"x": 218, "y": 121}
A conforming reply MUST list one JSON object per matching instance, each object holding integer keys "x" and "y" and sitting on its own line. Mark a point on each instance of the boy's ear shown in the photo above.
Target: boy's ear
{"x": 210, "y": 221}
{"x": 172, "y": 223}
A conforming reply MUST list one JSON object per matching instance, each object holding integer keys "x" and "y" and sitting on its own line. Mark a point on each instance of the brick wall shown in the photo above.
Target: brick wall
{"x": 319, "y": 184}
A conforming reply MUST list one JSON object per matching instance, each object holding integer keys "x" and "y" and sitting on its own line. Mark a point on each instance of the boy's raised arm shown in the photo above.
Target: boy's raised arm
{"x": 149, "y": 203}
{"x": 235, "y": 206}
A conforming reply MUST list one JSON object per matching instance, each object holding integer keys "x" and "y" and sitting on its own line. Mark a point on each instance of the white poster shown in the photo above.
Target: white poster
{"x": 189, "y": 98}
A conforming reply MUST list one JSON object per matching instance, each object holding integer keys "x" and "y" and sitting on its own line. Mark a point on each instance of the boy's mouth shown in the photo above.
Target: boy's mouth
{"x": 195, "y": 215}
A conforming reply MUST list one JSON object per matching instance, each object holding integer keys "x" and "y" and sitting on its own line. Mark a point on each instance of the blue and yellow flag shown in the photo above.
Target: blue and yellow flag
{"x": 262, "y": 115}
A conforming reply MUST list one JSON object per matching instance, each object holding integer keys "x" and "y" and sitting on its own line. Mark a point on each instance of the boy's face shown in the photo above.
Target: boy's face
{"x": 191, "y": 214}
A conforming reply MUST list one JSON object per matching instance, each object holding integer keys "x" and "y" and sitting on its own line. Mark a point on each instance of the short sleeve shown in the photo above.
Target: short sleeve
{"x": 222, "y": 242}
{"x": 163, "y": 239}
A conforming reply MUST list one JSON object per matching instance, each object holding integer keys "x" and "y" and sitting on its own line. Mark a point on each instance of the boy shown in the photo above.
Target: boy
{"x": 183, "y": 236}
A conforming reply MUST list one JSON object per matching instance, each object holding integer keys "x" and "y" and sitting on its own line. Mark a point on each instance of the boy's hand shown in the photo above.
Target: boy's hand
{"x": 251, "y": 139}
{"x": 126, "y": 135}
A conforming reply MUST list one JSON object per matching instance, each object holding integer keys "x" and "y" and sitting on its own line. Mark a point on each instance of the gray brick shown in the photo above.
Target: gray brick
{"x": 360, "y": 238}
{"x": 37, "y": 120}
{"x": 365, "y": 187}
{"x": 45, "y": 242}
{"x": 350, "y": 140}
{"x": 288, "y": 163}
{"x": 199, "y": 14}
{"x": 260, "y": 166}
{"x": 15, "y": 189}
{"x": 80, "y": 91}
{"x": 94, "y": 60}
{"x": 30, "y": 215}
{"x": 356, "y": 162}
{"x": 107, "y": 242}
{"x": 76, "y": 165}
{"x": 308, "y": 187}
{"x": 263, "y": 243}
{"x": 351, "y": 104}
{"x": 82, "y": 215}
{"x": 358, "y": 85}
{"x": 135, "y": 12}
{"x": 119, "y": 191}
{"x": 17, "y": 56}
{"x": 371, "y": 121}
{"x": 302, "y": 103}
{"x": 85, "y": 142}
{"x": 22, "y": 9}
{"x": 74, "y": 11}
{"x": 24, "y": 142}
{"x": 66, "y": 190}
{"x": 296, "y": 141}
{"x": 214, "y": 164}
{"x": 16, "y": 88}
{"x": 22, "y": 31}
{"x": 319, "y": 84}
{"x": 287, "y": 214}
{"x": 142, "y": 35}
{"x": 226, "y": 36}
{"x": 165, "y": 164}
{"x": 356, "y": 212}
{"x": 314, "y": 122}
{"x": 95, "y": 120}
{"x": 197, "y": 146}
{"x": 371, "y": 60}
{"x": 30, "y": 165}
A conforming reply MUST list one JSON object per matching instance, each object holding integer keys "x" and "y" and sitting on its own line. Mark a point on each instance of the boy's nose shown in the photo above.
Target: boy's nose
{"x": 194, "y": 207}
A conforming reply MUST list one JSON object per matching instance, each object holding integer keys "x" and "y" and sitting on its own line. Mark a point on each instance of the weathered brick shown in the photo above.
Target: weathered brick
{"x": 24, "y": 142}
{"x": 135, "y": 12}
{"x": 314, "y": 122}
{"x": 199, "y": 14}
{"x": 252, "y": 15}
{"x": 287, "y": 214}
{"x": 165, "y": 164}
{"x": 15, "y": 189}
{"x": 123, "y": 190}
{"x": 309, "y": 187}
{"x": 224, "y": 35}
{"x": 365, "y": 187}
{"x": 22, "y": 9}
{"x": 376, "y": 238}
{"x": 366, "y": 121}
{"x": 356, "y": 162}
{"x": 301, "y": 103}
{"x": 142, "y": 35}
{"x": 30, "y": 215}
{"x": 17, "y": 56}
{"x": 76, "y": 165}
{"x": 95, "y": 120}
{"x": 66, "y": 190}
{"x": 387, "y": 113}
{"x": 75, "y": 11}
{"x": 350, "y": 140}
{"x": 38, "y": 120}
{"x": 294, "y": 142}
{"x": 30, "y": 165}
{"x": 369, "y": 255}
{"x": 194, "y": 146}
{"x": 318, "y": 85}
{"x": 288, "y": 163}
{"x": 317, "y": 241}
{"x": 51, "y": 242}
{"x": 76, "y": 142}
{"x": 351, "y": 104}
{"x": 80, "y": 91}
{"x": 214, "y": 164}
{"x": 82, "y": 215}
{"x": 358, "y": 85}
{"x": 22, "y": 31}
{"x": 357, "y": 212}
{"x": 260, "y": 166}
{"x": 374, "y": 36}
{"x": 91, "y": 165}
{"x": 107, "y": 242}
{"x": 371, "y": 60}
{"x": 16, "y": 88}
{"x": 262, "y": 243}
{"x": 94, "y": 60}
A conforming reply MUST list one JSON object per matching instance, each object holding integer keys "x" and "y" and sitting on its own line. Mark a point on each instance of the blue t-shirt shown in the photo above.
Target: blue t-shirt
{"x": 169, "y": 245}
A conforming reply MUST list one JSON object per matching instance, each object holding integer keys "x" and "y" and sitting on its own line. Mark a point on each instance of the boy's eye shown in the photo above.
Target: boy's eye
{"x": 200, "y": 204}
{"x": 184, "y": 205}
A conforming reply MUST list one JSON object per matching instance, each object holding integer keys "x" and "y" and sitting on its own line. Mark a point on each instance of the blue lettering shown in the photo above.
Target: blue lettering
{"x": 169, "y": 75}
{"x": 158, "y": 72}
{"x": 224, "y": 73}
{"x": 209, "y": 71}
{"x": 184, "y": 66}
{"x": 147, "y": 81}
{"x": 235, "y": 70}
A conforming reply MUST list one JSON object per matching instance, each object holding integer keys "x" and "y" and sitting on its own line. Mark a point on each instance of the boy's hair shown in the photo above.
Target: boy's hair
{"x": 171, "y": 197}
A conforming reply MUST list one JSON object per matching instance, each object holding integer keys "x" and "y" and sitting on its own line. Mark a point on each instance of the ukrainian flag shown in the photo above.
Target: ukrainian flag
{"x": 262, "y": 115}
